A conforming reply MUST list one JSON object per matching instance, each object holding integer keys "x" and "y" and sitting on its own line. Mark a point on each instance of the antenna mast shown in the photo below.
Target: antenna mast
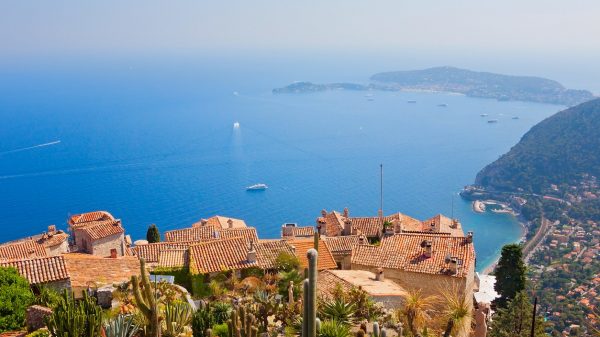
{"x": 381, "y": 188}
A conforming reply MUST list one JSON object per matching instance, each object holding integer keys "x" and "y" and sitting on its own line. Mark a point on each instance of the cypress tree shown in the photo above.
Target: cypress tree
{"x": 510, "y": 274}
{"x": 515, "y": 320}
{"x": 153, "y": 235}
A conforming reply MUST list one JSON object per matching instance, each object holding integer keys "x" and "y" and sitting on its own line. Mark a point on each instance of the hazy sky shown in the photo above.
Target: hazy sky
{"x": 107, "y": 26}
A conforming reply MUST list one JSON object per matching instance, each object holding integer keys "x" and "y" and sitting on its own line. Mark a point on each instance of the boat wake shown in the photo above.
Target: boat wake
{"x": 30, "y": 147}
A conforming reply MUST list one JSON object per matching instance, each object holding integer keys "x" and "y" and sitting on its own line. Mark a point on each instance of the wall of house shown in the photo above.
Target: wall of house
{"x": 81, "y": 240}
{"x": 103, "y": 246}
{"x": 58, "y": 249}
{"x": 58, "y": 285}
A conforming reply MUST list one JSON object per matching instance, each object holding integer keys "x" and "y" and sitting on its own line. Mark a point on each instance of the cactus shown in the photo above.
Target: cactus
{"x": 242, "y": 323}
{"x": 360, "y": 333}
{"x": 145, "y": 300}
{"x": 383, "y": 333}
{"x": 318, "y": 324}
{"x": 202, "y": 321}
{"x": 71, "y": 320}
{"x": 316, "y": 241}
{"x": 375, "y": 329}
{"x": 177, "y": 317}
{"x": 310, "y": 296}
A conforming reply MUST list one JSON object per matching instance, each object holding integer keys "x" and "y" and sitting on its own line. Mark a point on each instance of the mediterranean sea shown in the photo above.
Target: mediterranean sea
{"x": 154, "y": 142}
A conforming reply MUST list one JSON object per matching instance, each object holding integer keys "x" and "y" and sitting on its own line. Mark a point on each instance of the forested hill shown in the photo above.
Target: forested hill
{"x": 484, "y": 85}
{"x": 562, "y": 149}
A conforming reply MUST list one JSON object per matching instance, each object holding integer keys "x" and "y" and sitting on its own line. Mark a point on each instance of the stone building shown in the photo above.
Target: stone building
{"x": 51, "y": 243}
{"x": 208, "y": 233}
{"x": 426, "y": 262}
{"x": 340, "y": 224}
{"x": 341, "y": 248}
{"x": 98, "y": 233}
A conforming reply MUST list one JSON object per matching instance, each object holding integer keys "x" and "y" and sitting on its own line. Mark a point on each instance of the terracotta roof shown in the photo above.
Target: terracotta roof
{"x": 220, "y": 222}
{"x": 325, "y": 259}
{"x": 300, "y": 231}
{"x": 21, "y": 250}
{"x": 267, "y": 252}
{"x": 249, "y": 233}
{"x": 404, "y": 252}
{"x": 91, "y": 216}
{"x": 101, "y": 229}
{"x": 328, "y": 283}
{"x": 40, "y": 270}
{"x": 329, "y": 280}
{"x": 369, "y": 226}
{"x": 441, "y": 223}
{"x": 87, "y": 269}
{"x": 342, "y": 245}
{"x": 51, "y": 240}
{"x": 173, "y": 258}
{"x": 333, "y": 223}
{"x": 220, "y": 255}
{"x": 151, "y": 251}
{"x": 200, "y": 233}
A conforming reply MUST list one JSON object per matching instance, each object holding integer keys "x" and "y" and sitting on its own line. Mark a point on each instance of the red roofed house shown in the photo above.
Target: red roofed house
{"x": 98, "y": 233}
{"x": 51, "y": 243}
{"x": 422, "y": 261}
{"x": 221, "y": 222}
{"x": 50, "y": 271}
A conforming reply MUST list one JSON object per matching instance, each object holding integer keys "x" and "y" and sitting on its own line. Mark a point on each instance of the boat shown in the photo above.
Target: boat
{"x": 236, "y": 125}
{"x": 493, "y": 121}
{"x": 443, "y": 105}
{"x": 257, "y": 187}
{"x": 411, "y": 101}
{"x": 483, "y": 115}
{"x": 515, "y": 117}
{"x": 235, "y": 93}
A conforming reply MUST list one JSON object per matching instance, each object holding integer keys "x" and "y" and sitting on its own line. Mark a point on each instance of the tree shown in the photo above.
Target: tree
{"x": 510, "y": 274}
{"x": 515, "y": 319}
{"x": 15, "y": 297}
{"x": 153, "y": 235}
{"x": 286, "y": 262}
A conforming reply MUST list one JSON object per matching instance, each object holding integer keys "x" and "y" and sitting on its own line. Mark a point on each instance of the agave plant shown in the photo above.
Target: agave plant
{"x": 333, "y": 328}
{"x": 417, "y": 310}
{"x": 337, "y": 310}
{"x": 221, "y": 312}
{"x": 177, "y": 316}
{"x": 121, "y": 326}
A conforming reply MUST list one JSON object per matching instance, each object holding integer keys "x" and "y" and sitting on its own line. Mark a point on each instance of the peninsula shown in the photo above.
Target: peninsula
{"x": 462, "y": 81}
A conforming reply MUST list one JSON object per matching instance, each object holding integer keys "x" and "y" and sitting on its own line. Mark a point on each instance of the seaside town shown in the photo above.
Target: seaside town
{"x": 387, "y": 261}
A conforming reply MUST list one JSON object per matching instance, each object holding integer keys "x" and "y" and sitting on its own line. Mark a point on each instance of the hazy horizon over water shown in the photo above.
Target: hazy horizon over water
{"x": 155, "y": 143}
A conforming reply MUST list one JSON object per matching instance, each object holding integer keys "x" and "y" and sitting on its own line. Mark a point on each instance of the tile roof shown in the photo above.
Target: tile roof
{"x": 40, "y": 270}
{"x": 173, "y": 258}
{"x": 333, "y": 223}
{"x": 21, "y": 250}
{"x": 221, "y": 222}
{"x": 441, "y": 223}
{"x": 85, "y": 269}
{"x": 342, "y": 245}
{"x": 404, "y": 252}
{"x": 101, "y": 229}
{"x": 325, "y": 259}
{"x": 369, "y": 226}
{"x": 249, "y": 233}
{"x": 299, "y": 231}
{"x": 151, "y": 251}
{"x": 220, "y": 255}
{"x": 267, "y": 252}
{"x": 329, "y": 280}
{"x": 328, "y": 283}
{"x": 91, "y": 216}
{"x": 51, "y": 240}
{"x": 200, "y": 233}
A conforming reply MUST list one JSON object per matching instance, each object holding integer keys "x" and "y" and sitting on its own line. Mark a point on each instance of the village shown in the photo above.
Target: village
{"x": 387, "y": 261}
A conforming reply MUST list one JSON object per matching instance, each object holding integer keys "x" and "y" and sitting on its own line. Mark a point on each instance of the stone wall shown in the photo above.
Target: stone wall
{"x": 103, "y": 246}
{"x": 34, "y": 317}
{"x": 58, "y": 249}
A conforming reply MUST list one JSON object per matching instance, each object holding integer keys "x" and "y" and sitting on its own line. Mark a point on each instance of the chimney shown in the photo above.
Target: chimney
{"x": 379, "y": 274}
{"x": 347, "y": 227}
{"x": 323, "y": 213}
{"x": 470, "y": 237}
{"x": 203, "y": 222}
{"x": 453, "y": 265}
{"x": 251, "y": 256}
{"x": 361, "y": 240}
{"x": 287, "y": 229}
{"x": 113, "y": 253}
{"x": 427, "y": 245}
{"x": 346, "y": 212}
{"x": 455, "y": 223}
{"x": 51, "y": 229}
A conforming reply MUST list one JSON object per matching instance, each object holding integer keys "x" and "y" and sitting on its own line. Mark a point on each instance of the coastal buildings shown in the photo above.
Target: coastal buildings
{"x": 97, "y": 233}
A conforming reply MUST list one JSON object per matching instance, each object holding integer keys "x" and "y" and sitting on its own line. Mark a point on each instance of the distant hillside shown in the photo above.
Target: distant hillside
{"x": 560, "y": 149}
{"x": 449, "y": 79}
{"x": 484, "y": 85}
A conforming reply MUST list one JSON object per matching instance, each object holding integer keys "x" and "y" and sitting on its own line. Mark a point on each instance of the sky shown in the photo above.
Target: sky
{"x": 534, "y": 30}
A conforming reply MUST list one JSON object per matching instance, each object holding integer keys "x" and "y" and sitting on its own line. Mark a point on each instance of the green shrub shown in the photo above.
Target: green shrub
{"x": 39, "y": 333}
{"x": 220, "y": 330}
{"x": 334, "y": 328}
{"x": 46, "y": 296}
{"x": 287, "y": 262}
{"x": 221, "y": 312}
{"x": 15, "y": 297}
{"x": 182, "y": 276}
{"x": 202, "y": 320}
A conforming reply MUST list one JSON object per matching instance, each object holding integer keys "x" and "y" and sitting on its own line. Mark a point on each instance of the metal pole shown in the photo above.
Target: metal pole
{"x": 533, "y": 317}
{"x": 381, "y": 187}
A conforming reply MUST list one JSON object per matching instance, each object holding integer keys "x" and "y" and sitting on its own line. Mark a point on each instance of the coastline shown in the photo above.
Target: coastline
{"x": 492, "y": 265}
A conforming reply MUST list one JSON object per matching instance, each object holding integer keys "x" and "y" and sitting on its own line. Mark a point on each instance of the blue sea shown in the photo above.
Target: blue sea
{"x": 154, "y": 142}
